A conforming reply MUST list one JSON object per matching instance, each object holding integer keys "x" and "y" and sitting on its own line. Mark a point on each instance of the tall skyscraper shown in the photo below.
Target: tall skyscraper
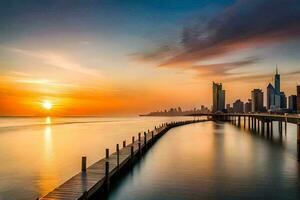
{"x": 257, "y": 98}
{"x": 298, "y": 98}
{"x": 275, "y": 98}
{"x": 218, "y": 97}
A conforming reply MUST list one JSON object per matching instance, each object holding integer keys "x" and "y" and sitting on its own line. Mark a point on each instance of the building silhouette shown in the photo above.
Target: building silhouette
{"x": 270, "y": 96}
{"x": 229, "y": 108}
{"x": 283, "y": 100}
{"x": 218, "y": 97}
{"x": 277, "y": 81}
{"x": 293, "y": 103}
{"x": 248, "y": 106}
{"x": 276, "y": 99}
{"x": 238, "y": 106}
{"x": 257, "y": 99}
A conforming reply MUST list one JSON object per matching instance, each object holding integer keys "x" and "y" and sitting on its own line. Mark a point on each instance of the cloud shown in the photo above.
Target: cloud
{"x": 161, "y": 53}
{"x": 246, "y": 24}
{"x": 260, "y": 77}
{"x": 223, "y": 69}
{"x": 56, "y": 60}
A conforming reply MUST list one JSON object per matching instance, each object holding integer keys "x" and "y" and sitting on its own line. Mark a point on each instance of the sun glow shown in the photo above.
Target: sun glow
{"x": 47, "y": 105}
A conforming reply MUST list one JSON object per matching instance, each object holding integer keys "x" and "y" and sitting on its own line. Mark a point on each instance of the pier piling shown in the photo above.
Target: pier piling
{"x": 118, "y": 155}
{"x": 106, "y": 153}
{"x": 83, "y": 163}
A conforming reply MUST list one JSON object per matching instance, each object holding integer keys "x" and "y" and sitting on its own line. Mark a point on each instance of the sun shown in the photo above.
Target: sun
{"x": 47, "y": 105}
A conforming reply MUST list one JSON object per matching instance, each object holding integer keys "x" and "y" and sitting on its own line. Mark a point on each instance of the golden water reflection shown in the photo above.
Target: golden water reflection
{"x": 48, "y": 175}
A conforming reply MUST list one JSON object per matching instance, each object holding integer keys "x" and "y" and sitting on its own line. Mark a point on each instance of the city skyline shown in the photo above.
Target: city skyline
{"x": 114, "y": 58}
{"x": 273, "y": 100}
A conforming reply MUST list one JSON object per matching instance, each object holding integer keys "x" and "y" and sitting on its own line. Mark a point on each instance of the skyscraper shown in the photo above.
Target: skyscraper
{"x": 248, "y": 106}
{"x": 283, "y": 100}
{"x": 275, "y": 98}
{"x": 277, "y": 81}
{"x": 257, "y": 98}
{"x": 218, "y": 97}
{"x": 293, "y": 103}
{"x": 270, "y": 96}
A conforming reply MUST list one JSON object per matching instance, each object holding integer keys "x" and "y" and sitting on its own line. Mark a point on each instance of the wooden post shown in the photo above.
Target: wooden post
{"x": 140, "y": 152}
{"x": 263, "y": 126}
{"x": 132, "y": 139}
{"x": 106, "y": 153}
{"x": 258, "y": 125}
{"x": 268, "y": 128}
{"x": 239, "y": 121}
{"x": 285, "y": 125}
{"x": 124, "y": 143}
{"x": 107, "y": 174}
{"x": 152, "y": 134}
{"x": 118, "y": 155}
{"x": 271, "y": 128}
{"x": 83, "y": 164}
{"x": 145, "y": 140}
{"x": 139, "y": 137}
{"x": 248, "y": 123}
{"x": 244, "y": 122}
{"x": 131, "y": 151}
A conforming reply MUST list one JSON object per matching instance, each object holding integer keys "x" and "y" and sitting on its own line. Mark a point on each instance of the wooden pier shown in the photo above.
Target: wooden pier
{"x": 260, "y": 123}
{"x": 96, "y": 178}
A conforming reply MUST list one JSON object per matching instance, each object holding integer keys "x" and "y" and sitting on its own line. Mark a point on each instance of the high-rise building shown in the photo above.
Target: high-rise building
{"x": 222, "y": 100}
{"x": 277, "y": 81}
{"x": 238, "y": 106}
{"x": 293, "y": 103}
{"x": 270, "y": 96}
{"x": 276, "y": 99}
{"x": 283, "y": 100}
{"x": 298, "y": 98}
{"x": 257, "y": 98}
{"x": 248, "y": 106}
{"x": 218, "y": 97}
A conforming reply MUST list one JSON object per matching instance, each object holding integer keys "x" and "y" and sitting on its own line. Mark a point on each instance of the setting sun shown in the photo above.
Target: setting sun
{"x": 47, "y": 105}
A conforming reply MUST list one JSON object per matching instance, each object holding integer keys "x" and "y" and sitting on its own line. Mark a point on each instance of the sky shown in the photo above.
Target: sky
{"x": 119, "y": 58}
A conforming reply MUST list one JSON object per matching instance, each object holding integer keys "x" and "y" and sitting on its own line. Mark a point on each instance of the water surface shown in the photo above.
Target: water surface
{"x": 214, "y": 161}
{"x": 38, "y": 154}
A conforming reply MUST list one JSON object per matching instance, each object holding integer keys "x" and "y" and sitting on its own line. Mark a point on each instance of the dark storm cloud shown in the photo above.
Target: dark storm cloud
{"x": 246, "y": 24}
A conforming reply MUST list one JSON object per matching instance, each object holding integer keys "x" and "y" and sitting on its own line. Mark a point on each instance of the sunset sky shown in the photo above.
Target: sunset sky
{"x": 110, "y": 58}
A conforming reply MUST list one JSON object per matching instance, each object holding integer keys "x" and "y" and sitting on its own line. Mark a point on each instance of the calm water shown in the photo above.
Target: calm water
{"x": 214, "y": 161}
{"x": 38, "y": 154}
